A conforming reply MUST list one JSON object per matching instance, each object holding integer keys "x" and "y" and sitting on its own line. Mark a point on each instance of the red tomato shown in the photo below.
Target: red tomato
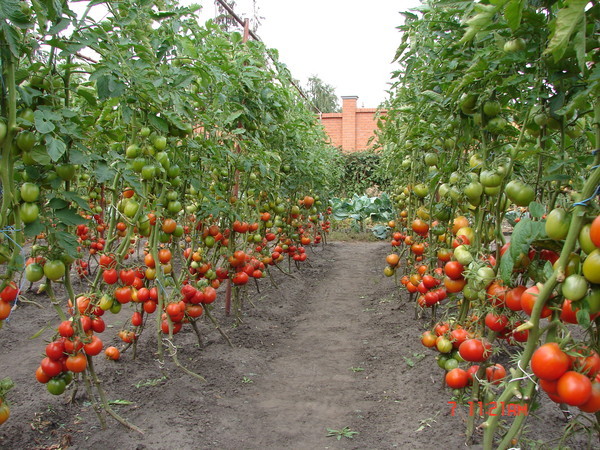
{"x": 458, "y": 336}
{"x": 94, "y": 347}
{"x": 595, "y": 231}
{"x": 51, "y": 367}
{"x": 475, "y": 350}
{"x": 136, "y": 319}
{"x": 593, "y": 404}
{"x": 512, "y": 298}
{"x": 110, "y": 276}
{"x": 240, "y": 278}
{"x": 98, "y": 325}
{"x": 457, "y": 378}
{"x": 574, "y": 388}
{"x": 549, "y": 362}
{"x": 528, "y": 299}
{"x": 65, "y": 329}
{"x": 454, "y": 270}
{"x": 496, "y": 322}
{"x": 123, "y": 294}
{"x": 495, "y": 374}
{"x": 210, "y": 295}
{"x": 56, "y": 349}
{"x": 496, "y": 293}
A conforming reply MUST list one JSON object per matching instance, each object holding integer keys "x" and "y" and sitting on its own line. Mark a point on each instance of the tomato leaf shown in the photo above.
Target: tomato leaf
{"x": 73, "y": 197}
{"x": 525, "y": 232}
{"x": 69, "y": 217}
{"x": 104, "y": 173}
{"x": 159, "y": 123}
{"x": 68, "y": 242}
{"x": 12, "y": 38}
{"x": 583, "y": 318}
{"x": 57, "y": 203}
{"x": 567, "y": 20}
{"x": 11, "y": 10}
{"x": 34, "y": 228}
{"x": 536, "y": 210}
{"x": 513, "y": 13}
{"x": 55, "y": 147}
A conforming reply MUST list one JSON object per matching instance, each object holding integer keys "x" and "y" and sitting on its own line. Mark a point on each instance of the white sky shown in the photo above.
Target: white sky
{"x": 349, "y": 44}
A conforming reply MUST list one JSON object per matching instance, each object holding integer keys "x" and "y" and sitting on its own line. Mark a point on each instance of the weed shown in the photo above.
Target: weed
{"x": 339, "y": 434}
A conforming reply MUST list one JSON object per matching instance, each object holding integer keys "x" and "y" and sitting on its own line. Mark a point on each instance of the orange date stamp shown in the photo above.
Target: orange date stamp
{"x": 493, "y": 409}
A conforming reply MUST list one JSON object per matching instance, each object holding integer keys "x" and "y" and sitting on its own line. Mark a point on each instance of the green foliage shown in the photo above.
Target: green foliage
{"x": 360, "y": 172}
{"x": 321, "y": 96}
{"x": 361, "y": 209}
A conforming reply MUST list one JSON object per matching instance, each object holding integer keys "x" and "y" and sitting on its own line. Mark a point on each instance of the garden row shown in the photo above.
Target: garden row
{"x": 156, "y": 159}
{"x": 492, "y": 135}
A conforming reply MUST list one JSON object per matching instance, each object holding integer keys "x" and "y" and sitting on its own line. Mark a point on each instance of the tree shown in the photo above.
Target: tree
{"x": 321, "y": 96}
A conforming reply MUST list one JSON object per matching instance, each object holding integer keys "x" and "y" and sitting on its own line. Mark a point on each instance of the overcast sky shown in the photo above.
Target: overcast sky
{"x": 349, "y": 44}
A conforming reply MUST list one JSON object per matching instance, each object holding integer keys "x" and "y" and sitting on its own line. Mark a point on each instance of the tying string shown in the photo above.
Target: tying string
{"x": 585, "y": 202}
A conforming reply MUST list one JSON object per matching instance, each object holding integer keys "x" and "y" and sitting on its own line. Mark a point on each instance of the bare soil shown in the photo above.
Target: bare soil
{"x": 334, "y": 346}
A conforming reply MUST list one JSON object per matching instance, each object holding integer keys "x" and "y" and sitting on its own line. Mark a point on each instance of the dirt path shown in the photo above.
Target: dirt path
{"x": 335, "y": 346}
{"x": 310, "y": 386}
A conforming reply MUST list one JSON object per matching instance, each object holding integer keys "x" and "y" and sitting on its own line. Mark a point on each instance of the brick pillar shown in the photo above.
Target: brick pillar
{"x": 349, "y": 123}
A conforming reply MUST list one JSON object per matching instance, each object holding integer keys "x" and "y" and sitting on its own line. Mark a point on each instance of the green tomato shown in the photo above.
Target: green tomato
{"x": 450, "y": 364}
{"x": 485, "y": 275}
{"x": 30, "y": 192}
{"x": 115, "y": 308}
{"x": 209, "y": 241}
{"x": 148, "y": 172}
{"x": 467, "y": 103}
{"x": 421, "y": 190}
{"x": 138, "y": 164}
{"x": 55, "y": 269}
{"x": 490, "y": 178}
{"x": 475, "y": 161}
{"x": 496, "y": 125}
{"x": 431, "y": 159}
{"x": 519, "y": 193}
{"x": 34, "y": 272}
{"x": 106, "y": 302}
{"x": 66, "y": 171}
{"x": 56, "y": 385}
{"x": 174, "y": 207}
{"x": 29, "y": 212}
{"x": 173, "y": 171}
{"x": 444, "y": 345}
{"x": 591, "y": 267}
{"x": 491, "y": 108}
{"x": 131, "y": 208}
{"x": 492, "y": 191}
{"x": 160, "y": 143}
{"x": 574, "y": 287}
{"x": 163, "y": 159}
{"x": 172, "y": 195}
{"x": 441, "y": 360}
{"x": 557, "y": 224}
{"x": 593, "y": 300}
{"x": 463, "y": 255}
{"x": 514, "y": 45}
{"x": 132, "y": 151}
{"x": 473, "y": 191}
{"x": 25, "y": 140}
{"x": 27, "y": 115}
{"x": 585, "y": 241}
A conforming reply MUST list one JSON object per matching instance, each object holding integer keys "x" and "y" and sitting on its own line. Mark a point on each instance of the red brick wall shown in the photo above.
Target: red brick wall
{"x": 352, "y": 129}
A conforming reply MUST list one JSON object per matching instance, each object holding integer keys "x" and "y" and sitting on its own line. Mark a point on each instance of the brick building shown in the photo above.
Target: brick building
{"x": 353, "y": 127}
